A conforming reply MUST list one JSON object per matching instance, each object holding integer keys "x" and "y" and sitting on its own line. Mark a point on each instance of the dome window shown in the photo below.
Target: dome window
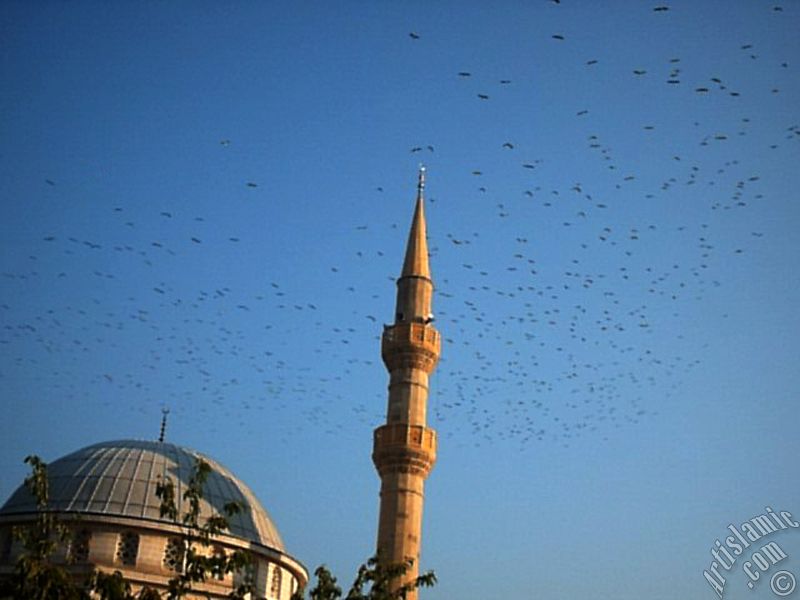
{"x": 128, "y": 548}
{"x": 219, "y": 554}
{"x": 275, "y": 588}
{"x": 173, "y": 555}
{"x": 6, "y": 542}
{"x": 79, "y": 546}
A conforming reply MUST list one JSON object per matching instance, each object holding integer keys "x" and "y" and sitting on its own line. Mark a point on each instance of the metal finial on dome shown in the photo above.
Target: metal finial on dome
{"x": 164, "y": 413}
{"x": 421, "y": 181}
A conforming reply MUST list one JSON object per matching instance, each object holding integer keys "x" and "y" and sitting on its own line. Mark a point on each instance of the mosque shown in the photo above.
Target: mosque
{"x": 106, "y": 492}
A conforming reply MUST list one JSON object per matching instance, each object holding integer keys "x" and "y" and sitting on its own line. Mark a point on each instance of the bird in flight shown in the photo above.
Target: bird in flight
{"x": 413, "y": 36}
{"x": 558, "y": 36}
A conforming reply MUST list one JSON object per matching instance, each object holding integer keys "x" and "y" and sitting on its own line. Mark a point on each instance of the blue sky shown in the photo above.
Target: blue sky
{"x": 204, "y": 207}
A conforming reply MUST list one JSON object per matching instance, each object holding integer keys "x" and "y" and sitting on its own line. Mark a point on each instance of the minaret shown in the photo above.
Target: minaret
{"x": 404, "y": 449}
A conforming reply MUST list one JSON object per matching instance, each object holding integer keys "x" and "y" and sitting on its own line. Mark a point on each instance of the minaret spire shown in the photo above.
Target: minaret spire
{"x": 404, "y": 449}
{"x": 416, "y": 261}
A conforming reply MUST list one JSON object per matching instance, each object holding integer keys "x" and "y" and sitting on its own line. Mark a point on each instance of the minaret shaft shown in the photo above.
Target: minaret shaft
{"x": 408, "y": 396}
{"x": 414, "y": 295}
{"x": 404, "y": 449}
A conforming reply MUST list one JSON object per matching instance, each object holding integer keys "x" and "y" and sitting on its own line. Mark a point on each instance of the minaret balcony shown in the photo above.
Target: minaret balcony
{"x": 404, "y": 447}
{"x": 411, "y": 345}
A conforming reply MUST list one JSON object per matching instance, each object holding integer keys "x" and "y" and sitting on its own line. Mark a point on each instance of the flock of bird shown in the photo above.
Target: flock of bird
{"x": 539, "y": 346}
{"x": 584, "y": 296}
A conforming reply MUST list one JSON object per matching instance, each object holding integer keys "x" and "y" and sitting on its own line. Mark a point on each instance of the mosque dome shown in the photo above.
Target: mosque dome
{"x": 119, "y": 479}
{"x": 109, "y": 491}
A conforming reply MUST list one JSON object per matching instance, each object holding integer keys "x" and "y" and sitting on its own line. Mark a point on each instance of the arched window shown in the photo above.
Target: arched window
{"x": 127, "y": 548}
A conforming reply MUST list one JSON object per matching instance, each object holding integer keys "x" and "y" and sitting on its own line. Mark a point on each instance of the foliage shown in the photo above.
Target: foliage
{"x": 382, "y": 582}
{"x": 200, "y": 561}
{"x": 36, "y": 576}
